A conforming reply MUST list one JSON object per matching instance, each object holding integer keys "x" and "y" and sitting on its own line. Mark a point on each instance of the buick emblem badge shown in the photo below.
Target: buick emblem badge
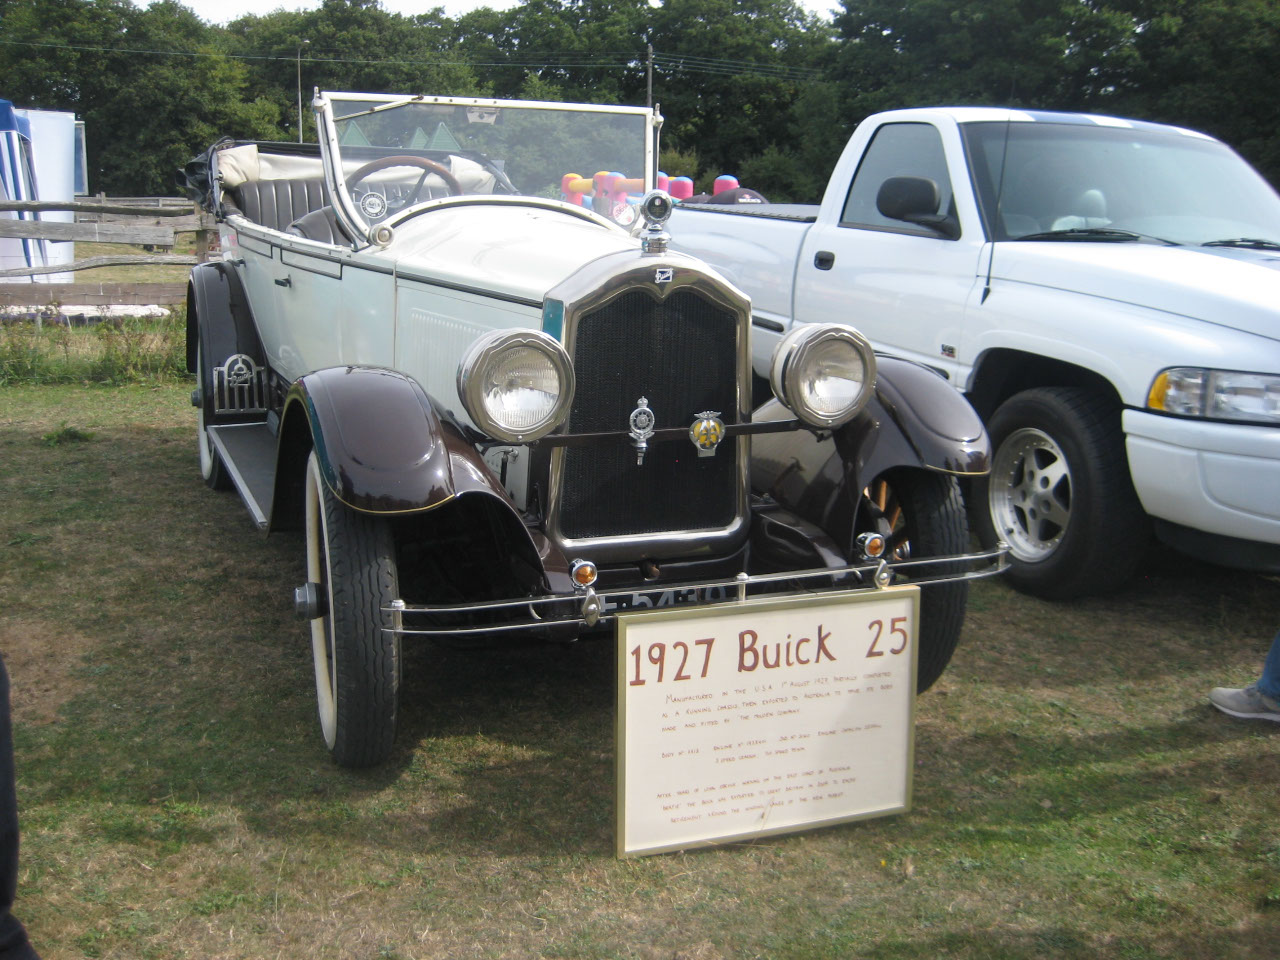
{"x": 663, "y": 274}
{"x": 707, "y": 432}
{"x": 239, "y": 370}
{"x": 641, "y": 422}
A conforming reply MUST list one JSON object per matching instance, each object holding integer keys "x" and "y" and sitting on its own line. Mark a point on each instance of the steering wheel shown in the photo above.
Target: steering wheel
{"x": 427, "y": 167}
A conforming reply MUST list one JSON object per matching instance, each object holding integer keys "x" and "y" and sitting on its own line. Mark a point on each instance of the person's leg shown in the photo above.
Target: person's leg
{"x": 13, "y": 938}
{"x": 1269, "y": 682}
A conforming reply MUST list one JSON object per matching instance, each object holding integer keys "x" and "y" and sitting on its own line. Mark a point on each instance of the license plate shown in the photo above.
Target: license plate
{"x": 665, "y": 598}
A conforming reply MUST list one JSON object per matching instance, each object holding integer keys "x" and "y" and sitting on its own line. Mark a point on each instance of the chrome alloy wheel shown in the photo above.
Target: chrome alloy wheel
{"x": 1029, "y": 494}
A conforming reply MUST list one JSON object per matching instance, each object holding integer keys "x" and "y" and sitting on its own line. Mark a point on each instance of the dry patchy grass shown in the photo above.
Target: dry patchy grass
{"x": 1075, "y": 796}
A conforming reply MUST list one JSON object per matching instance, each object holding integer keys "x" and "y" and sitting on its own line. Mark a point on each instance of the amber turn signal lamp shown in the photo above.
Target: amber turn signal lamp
{"x": 584, "y": 572}
{"x": 871, "y": 546}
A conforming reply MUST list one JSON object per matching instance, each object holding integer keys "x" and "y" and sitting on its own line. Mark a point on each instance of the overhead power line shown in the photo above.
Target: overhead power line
{"x": 617, "y": 60}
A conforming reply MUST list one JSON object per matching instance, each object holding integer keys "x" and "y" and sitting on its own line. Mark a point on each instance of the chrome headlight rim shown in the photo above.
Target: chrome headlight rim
{"x": 1211, "y": 394}
{"x": 481, "y": 357}
{"x": 792, "y": 367}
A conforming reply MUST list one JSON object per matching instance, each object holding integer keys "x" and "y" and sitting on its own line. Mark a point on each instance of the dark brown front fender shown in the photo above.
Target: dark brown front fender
{"x": 914, "y": 420}
{"x": 380, "y": 444}
{"x": 383, "y": 448}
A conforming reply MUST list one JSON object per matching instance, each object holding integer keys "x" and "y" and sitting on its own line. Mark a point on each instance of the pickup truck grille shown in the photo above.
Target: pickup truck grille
{"x": 681, "y": 354}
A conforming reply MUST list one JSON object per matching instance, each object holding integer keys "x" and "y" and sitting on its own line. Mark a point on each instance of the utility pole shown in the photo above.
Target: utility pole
{"x": 301, "y": 44}
{"x": 649, "y": 98}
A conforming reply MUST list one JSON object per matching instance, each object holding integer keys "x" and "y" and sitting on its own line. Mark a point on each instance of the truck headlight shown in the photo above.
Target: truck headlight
{"x": 516, "y": 385}
{"x": 1216, "y": 394}
{"x": 824, "y": 372}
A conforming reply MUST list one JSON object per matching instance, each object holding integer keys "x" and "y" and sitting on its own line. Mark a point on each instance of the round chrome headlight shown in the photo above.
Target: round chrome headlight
{"x": 516, "y": 385}
{"x": 824, "y": 372}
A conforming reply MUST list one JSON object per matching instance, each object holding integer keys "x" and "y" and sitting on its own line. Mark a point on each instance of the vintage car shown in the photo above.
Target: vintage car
{"x": 498, "y": 407}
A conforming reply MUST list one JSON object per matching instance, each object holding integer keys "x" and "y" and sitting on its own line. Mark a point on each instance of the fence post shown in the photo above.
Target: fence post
{"x": 205, "y": 242}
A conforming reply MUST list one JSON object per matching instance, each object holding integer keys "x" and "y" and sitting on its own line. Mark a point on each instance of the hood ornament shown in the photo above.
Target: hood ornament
{"x": 641, "y": 422}
{"x": 655, "y": 211}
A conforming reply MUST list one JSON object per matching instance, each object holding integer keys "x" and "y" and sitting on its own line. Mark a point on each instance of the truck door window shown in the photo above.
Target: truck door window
{"x": 896, "y": 150}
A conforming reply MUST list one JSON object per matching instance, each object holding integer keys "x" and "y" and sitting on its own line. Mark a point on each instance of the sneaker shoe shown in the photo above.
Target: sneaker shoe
{"x": 1248, "y": 704}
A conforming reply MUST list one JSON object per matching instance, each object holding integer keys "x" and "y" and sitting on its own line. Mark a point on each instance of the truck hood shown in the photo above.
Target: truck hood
{"x": 1234, "y": 288}
{"x": 508, "y": 249}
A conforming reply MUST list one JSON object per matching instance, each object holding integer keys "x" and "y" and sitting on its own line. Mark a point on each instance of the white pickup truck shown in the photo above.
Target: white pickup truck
{"x": 1105, "y": 293}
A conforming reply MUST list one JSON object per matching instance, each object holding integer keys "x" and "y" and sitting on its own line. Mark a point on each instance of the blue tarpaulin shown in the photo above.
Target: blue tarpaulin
{"x": 18, "y": 182}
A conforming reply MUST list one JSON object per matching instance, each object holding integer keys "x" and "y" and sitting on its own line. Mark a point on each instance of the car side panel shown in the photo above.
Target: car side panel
{"x": 316, "y": 306}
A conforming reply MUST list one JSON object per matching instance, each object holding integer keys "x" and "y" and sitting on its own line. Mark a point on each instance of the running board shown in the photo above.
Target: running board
{"x": 248, "y": 452}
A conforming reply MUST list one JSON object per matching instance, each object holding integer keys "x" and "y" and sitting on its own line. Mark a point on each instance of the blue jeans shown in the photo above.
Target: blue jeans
{"x": 1269, "y": 682}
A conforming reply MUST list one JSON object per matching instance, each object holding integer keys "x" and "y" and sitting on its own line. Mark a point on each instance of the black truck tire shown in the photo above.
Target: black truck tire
{"x": 1059, "y": 493}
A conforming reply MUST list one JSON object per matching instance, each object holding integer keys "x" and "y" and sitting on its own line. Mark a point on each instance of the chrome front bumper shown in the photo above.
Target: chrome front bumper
{"x": 587, "y": 609}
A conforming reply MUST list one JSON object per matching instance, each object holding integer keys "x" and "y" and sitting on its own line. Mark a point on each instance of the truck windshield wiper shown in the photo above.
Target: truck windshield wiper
{"x": 1097, "y": 235}
{"x": 1249, "y": 243}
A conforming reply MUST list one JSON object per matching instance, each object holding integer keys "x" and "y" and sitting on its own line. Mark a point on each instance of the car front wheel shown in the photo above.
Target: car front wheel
{"x": 351, "y": 557}
{"x": 922, "y": 515}
{"x": 1059, "y": 493}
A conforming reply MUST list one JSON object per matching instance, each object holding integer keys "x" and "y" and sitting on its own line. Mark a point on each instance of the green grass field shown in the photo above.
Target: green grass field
{"x": 1075, "y": 795}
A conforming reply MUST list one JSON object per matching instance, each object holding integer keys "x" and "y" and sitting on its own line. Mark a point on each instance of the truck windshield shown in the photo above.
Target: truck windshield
{"x": 396, "y": 152}
{"x": 1079, "y": 178}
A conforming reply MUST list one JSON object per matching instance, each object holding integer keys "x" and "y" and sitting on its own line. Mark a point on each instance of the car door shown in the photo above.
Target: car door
{"x": 905, "y": 286}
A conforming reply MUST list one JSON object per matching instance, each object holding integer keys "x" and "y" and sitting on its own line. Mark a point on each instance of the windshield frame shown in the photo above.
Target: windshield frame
{"x": 327, "y": 106}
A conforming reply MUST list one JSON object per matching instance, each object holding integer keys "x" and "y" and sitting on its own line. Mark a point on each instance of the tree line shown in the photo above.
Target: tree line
{"x": 758, "y": 88}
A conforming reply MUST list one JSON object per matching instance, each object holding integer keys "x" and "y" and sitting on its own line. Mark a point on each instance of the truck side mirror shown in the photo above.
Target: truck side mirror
{"x": 915, "y": 200}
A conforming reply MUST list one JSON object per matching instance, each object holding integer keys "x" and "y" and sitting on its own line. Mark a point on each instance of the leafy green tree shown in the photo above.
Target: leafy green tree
{"x": 728, "y": 73}
{"x": 351, "y": 45}
{"x": 796, "y": 170}
{"x": 1212, "y": 65}
{"x": 590, "y": 50}
{"x": 1035, "y": 53}
{"x": 151, "y": 85}
{"x": 1209, "y": 64}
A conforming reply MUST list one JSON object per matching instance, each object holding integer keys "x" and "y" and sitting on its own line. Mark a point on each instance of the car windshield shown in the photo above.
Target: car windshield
{"x": 392, "y": 150}
{"x": 1085, "y": 180}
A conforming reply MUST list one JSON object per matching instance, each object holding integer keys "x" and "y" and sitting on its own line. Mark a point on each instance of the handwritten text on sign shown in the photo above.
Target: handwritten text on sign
{"x": 764, "y": 717}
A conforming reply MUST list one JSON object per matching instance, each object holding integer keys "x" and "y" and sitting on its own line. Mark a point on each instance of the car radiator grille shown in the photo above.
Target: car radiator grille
{"x": 681, "y": 355}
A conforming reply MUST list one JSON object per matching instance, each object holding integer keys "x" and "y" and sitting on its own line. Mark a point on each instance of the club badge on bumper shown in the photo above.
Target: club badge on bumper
{"x": 707, "y": 432}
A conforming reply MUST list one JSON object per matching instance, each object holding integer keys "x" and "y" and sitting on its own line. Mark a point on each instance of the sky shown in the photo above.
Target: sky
{"x": 223, "y": 11}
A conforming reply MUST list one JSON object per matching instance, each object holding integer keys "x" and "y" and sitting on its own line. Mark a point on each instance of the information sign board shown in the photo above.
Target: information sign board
{"x": 762, "y": 717}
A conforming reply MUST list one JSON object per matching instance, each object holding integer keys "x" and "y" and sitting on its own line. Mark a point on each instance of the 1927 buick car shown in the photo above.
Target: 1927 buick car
{"x": 498, "y": 413}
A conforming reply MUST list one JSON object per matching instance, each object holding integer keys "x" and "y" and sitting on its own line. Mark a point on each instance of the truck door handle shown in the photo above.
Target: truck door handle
{"x": 824, "y": 259}
{"x": 286, "y": 282}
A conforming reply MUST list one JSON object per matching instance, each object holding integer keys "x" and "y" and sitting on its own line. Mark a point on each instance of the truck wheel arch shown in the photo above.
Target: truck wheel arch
{"x": 1002, "y": 372}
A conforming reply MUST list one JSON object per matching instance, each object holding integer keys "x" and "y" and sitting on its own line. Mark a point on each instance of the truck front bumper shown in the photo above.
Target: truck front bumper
{"x": 1219, "y": 478}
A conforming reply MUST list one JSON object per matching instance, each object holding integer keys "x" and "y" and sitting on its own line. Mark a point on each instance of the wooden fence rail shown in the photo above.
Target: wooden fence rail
{"x": 147, "y": 221}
